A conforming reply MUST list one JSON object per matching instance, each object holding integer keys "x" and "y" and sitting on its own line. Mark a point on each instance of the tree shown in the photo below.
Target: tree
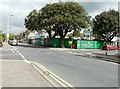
{"x": 2, "y": 36}
{"x": 63, "y": 18}
{"x": 31, "y": 21}
{"x": 11, "y": 37}
{"x": 76, "y": 33}
{"x": 106, "y": 25}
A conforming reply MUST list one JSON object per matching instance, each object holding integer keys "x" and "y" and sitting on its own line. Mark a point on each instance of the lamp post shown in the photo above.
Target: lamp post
{"x": 8, "y": 29}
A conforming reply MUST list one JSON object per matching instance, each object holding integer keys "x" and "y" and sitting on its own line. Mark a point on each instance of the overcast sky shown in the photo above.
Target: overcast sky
{"x": 20, "y": 9}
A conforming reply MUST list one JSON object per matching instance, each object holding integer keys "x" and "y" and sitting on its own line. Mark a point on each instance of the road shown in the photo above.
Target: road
{"x": 76, "y": 70}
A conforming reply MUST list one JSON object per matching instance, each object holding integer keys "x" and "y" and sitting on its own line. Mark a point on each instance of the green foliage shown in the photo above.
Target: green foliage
{"x": 58, "y": 17}
{"x": 11, "y": 37}
{"x": 63, "y": 18}
{"x": 76, "y": 33}
{"x": 106, "y": 24}
{"x": 2, "y": 36}
{"x": 31, "y": 20}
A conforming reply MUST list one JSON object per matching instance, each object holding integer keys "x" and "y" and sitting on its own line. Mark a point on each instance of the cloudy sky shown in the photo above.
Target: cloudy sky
{"x": 20, "y": 9}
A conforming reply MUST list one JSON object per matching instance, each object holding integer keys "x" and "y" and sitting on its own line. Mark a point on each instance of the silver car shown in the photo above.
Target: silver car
{"x": 13, "y": 42}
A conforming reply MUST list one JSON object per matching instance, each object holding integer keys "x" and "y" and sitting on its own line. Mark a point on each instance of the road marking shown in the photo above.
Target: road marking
{"x": 23, "y": 57}
{"x": 108, "y": 62}
{"x": 42, "y": 74}
{"x": 93, "y": 56}
{"x": 46, "y": 72}
{"x": 12, "y": 51}
{"x": 51, "y": 74}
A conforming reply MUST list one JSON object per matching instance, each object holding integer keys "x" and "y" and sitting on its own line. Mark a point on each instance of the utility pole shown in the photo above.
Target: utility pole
{"x": 8, "y": 29}
{"x": 59, "y": 1}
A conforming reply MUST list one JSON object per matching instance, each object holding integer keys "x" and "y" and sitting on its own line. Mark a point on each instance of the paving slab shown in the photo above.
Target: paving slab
{"x": 20, "y": 74}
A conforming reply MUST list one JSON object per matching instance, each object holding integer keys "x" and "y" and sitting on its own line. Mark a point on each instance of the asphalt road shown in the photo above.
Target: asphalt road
{"x": 76, "y": 70}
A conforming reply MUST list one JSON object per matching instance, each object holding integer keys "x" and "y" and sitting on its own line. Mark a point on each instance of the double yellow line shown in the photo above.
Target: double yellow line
{"x": 47, "y": 73}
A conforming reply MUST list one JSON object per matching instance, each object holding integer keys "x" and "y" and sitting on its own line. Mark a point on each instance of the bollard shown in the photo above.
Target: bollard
{"x": 106, "y": 53}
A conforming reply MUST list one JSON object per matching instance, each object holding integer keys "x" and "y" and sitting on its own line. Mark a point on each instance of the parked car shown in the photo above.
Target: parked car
{"x": 110, "y": 47}
{"x": 13, "y": 42}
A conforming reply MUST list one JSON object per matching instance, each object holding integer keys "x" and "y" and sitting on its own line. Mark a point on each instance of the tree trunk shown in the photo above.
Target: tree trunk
{"x": 49, "y": 32}
{"x": 62, "y": 42}
{"x": 55, "y": 35}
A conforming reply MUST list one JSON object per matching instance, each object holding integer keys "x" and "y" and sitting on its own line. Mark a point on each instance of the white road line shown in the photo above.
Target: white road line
{"x": 23, "y": 57}
{"x": 12, "y": 51}
{"x": 92, "y": 55}
{"x": 108, "y": 62}
{"x": 75, "y": 53}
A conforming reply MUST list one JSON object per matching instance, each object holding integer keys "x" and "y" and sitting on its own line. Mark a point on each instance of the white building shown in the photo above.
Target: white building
{"x": 116, "y": 41}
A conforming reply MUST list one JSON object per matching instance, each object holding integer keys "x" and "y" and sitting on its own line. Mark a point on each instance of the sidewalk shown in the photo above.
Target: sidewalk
{"x": 20, "y": 74}
{"x": 110, "y": 56}
{"x": 6, "y": 46}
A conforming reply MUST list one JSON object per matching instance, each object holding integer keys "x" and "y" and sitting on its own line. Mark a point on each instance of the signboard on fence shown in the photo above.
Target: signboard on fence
{"x": 87, "y": 44}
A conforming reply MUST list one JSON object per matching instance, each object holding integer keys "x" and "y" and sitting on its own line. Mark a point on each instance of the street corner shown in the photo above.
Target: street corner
{"x": 17, "y": 73}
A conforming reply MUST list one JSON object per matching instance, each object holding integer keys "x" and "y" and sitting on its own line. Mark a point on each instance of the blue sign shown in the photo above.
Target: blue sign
{"x": 37, "y": 36}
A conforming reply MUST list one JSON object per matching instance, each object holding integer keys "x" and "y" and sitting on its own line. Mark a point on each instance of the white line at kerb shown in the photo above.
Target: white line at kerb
{"x": 96, "y": 58}
{"x": 23, "y": 57}
{"x": 12, "y": 51}
{"x": 20, "y": 54}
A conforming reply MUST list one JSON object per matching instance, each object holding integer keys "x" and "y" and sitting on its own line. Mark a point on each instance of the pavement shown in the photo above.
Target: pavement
{"x": 105, "y": 55}
{"x": 18, "y": 73}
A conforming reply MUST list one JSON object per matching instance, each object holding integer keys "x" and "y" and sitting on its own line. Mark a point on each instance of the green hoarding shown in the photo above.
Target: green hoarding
{"x": 87, "y": 44}
{"x": 78, "y": 44}
{"x": 37, "y": 42}
{"x": 83, "y": 44}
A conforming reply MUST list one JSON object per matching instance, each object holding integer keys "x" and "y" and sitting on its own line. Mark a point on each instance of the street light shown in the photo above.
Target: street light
{"x": 8, "y": 29}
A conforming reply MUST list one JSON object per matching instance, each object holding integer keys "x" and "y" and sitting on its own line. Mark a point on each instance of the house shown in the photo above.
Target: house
{"x": 116, "y": 41}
